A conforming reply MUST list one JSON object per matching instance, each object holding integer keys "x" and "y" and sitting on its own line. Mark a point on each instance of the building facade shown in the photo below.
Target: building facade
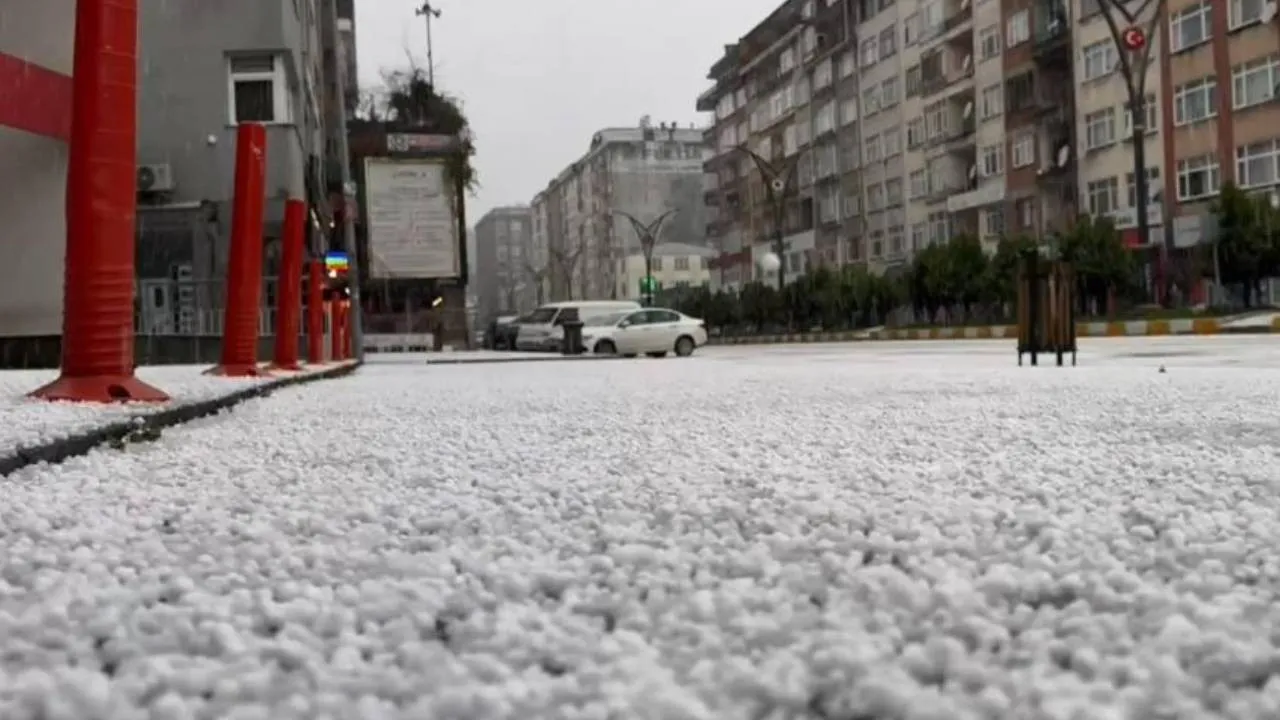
{"x": 504, "y": 274}
{"x": 643, "y": 171}
{"x": 987, "y": 117}
{"x": 674, "y": 266}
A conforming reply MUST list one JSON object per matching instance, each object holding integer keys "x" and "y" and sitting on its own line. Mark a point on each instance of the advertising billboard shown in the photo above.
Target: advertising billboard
{"x": 413, "y": 231}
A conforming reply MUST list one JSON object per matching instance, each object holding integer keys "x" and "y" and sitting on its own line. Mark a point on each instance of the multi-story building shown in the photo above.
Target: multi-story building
{"x": 1217, "y": 130}
{"x": 788, "y": 92}
{"x": 673, "y": 266}
{"x": 504, "y": 278}
{"x": 643, "y": 171}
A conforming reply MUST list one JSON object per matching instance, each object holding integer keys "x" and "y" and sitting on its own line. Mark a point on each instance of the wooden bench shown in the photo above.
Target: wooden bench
{"x": 1046, "y": 309}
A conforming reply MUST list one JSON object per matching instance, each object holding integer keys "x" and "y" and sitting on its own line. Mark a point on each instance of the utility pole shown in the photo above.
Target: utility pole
{"x": 1133, "y": 47}
{"x": 428, "y": 12}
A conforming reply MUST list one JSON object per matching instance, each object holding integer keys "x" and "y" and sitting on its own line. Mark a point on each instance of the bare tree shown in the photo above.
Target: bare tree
{"x": 567, "y": 261}
{"x": 537, "y": 275}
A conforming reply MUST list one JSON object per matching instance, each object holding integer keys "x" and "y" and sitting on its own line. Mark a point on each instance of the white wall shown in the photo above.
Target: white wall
{"x": 33, "y": 179}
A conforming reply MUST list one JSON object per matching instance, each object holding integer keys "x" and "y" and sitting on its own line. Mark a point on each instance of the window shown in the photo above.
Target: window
{"x": 991, "y": 160}
{"x": 848, "y": 64}
{"x": 875, "y": 197}
{"x": 1131, "y": 187}
{"x": 1198, "y": 177}
{"x": 1023, "y": 150}
{"x": 911, "y": 30}
{"x": 918, "y": 183}
{"x": 789, "y": 144}
{"x": 1255, "y": 82}
{"x": 915, "y": 132}
{"x": 871, "y": 101}
{"x": 893, "y": 192}
{"x": 788, "y": 60}
{"x": 257, "y": 89}
{"x": 656, "y": 265}
{"x": 919, "y": 235}
{"x": 1246, "y": 12}
{"x": 848, "y": 111}
{"x": 1100, "y": 129}
{"x": 1019, "y": 28}
{"x": 1103, "y": 196}
{"x": 992, "y": 223}
{"x": 1258, "y": 165}
{"x": 1195, "y": 101}
{"x": 1026, "y": 210}
{"x": 889, "y": 93}
{"x": 1099, "y": 59}
{"x": 989, "y": 42}
{"x": 892, "y": 141}
{"x": 682, "y": 263}
{"x": 915, "y": 81}
{"x": 1150, "y": 122}
{"x": 1190, "y": 27}
{"x": 823, "y": 74}
{"x": 888, "y": 42}
{"x": 870, "y": 52}
{"x": 992, "y": 101}
{"x": 895, "y": 240}
{"x": 872, "y": 150}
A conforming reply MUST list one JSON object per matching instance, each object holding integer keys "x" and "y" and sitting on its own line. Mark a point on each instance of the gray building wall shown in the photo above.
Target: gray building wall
{"x": 185, "y": 92}
{"x": 503, "y": 251}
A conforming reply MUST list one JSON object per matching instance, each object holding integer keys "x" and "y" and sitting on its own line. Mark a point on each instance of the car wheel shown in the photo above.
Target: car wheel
{"x": 657, "y": 354}
{"x": 685, "y": 346}
{"x": 606, "y": 347}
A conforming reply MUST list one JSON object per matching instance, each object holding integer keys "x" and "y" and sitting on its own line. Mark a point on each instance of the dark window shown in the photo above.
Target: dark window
{"x": 255, "y": 101}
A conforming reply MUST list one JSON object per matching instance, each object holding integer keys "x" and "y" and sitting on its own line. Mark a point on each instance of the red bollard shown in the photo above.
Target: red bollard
{"x": 289, "y": 293}
{"x": 97, "y": 315}
{"x": 315, "y": 313}
{"x": 347, "y": 324}
{"x": 244, "y": 267}
{"x": 335, "y": 331}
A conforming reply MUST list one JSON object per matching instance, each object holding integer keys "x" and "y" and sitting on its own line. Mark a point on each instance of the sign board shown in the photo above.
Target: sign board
{"x": 413, "y": 231}
{"x": 419, "y": 143}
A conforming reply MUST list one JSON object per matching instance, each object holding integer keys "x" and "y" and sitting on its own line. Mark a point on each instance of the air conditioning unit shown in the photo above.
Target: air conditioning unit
{"x": 155, "y": 178}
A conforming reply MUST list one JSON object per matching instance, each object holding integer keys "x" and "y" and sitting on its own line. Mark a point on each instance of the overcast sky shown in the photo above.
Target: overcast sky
{"x": 539, "y": 77}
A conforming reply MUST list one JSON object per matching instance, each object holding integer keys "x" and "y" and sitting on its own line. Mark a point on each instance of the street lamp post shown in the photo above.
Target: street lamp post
{"x": 648, "y": 234}
{"x": 779, "y": 182}
{"x": 1133, "y": 46}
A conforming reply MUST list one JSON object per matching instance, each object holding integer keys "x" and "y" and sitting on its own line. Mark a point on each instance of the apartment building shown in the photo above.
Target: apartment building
{"x": 644, "y": 171}
{"x": 1218, "y": 130}
{"x": 674, "y": 266}
{"x": 504, "y": 277}
{"x": 788, "y": 91}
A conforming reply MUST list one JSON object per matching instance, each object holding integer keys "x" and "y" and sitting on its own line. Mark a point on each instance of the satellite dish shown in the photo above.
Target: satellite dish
{"x": 1268, "y": 12}
{"x": 968, "y": 110}
{"x": 1064, "y": 154}
{"x": 770, "y": 262}
{"x": 778, "y": 185}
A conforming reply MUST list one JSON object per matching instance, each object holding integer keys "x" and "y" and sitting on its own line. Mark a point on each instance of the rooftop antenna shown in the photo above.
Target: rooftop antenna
{"x": 427, "y": 11}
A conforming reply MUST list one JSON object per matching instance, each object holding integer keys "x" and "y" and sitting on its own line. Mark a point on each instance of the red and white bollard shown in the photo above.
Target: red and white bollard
{"x": 289, "y": 292}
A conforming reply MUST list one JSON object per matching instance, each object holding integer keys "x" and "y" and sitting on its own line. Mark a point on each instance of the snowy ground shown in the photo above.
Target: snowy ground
{"x": 25, "y": 422}
{"x": 907, "y": 532}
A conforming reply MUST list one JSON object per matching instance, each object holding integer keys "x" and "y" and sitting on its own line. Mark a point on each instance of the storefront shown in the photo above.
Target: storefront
{"x": 36, "y": 41}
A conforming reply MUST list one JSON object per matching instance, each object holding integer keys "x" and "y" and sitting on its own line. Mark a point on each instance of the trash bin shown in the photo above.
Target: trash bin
{"x": 572, "y": 338}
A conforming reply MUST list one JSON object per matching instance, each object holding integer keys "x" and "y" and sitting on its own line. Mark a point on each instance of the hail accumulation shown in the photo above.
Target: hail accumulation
{"x": 860, "y": 534}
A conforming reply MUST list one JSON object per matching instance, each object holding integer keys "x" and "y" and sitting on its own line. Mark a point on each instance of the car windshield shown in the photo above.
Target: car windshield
{"x": 541, "y": 316}
{"x": 605, "y": 320}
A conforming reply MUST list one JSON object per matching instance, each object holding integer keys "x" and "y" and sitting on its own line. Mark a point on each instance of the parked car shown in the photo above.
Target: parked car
{"x": 502, "y": 332}
{"x": 542, "y": 329}
{"x": 652, "y": 331}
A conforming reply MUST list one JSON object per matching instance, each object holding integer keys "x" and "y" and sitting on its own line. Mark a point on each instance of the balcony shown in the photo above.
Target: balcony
{"x": 943, "y": 69}
{"x": 988, "y": 193}
{"x": 953, "y": 24}
{"x": 1052, "y": 37}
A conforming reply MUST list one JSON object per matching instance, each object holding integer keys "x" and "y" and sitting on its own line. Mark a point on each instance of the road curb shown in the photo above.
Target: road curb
{"x": 152, "y": 424}
{"x": 514, "y": 360}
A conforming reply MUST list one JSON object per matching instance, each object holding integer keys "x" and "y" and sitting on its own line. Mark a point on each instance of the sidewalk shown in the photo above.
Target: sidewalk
{"x": 36, "y": 430}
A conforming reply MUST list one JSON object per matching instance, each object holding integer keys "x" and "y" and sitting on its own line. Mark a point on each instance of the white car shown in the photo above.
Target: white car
{"x": 652, "y": 331}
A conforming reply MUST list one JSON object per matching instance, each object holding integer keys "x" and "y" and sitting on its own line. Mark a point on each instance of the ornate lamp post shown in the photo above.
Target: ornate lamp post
{"x": 1133, "y": 45}
{"x": 648, "y": 234}
{"x": 779, "y": 184}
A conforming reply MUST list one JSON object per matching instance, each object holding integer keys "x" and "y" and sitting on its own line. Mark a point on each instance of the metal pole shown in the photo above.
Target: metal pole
{"x": 648, "y": 235}
{"x": 428, "y": 12}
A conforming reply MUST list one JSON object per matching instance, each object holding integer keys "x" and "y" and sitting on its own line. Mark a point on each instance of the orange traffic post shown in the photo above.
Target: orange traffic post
{"x": 244, "y": 267}
{"x": 315, "y": 313}
{"x": 289, "y": 293}
{"x": 335, "y": 331}
{"x": 97, "y": 315}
